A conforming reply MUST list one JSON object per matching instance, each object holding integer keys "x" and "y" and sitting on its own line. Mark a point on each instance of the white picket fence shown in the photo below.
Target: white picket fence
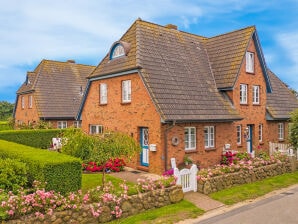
{"x": 285, "y": 149}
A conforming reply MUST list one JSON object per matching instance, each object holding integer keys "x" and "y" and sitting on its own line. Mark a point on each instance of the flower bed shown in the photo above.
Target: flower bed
{"x": 241, "y": 171}
{"x": 114, "y": 165}
{"x": 97, "y": 206}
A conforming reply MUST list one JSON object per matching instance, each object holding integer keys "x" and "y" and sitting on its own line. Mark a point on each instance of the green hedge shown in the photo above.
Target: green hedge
{"x": 39, "y": 138}
{"x": 62, "y": 173}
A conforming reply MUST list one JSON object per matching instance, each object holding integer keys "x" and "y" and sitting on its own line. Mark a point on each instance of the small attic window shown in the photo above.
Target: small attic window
{"x": 117, "y": 51}
{"x": 27, "y": 81}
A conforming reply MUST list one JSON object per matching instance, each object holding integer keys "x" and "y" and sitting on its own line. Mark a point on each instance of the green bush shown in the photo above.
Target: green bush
{"x": 13, "y": 174}
{"x": 62, "y": 173}
{"x": 34, "y": 138}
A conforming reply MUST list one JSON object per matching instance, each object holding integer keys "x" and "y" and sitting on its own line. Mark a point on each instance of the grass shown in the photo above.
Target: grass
{"x": 168, "y": 214}
{"x": 93, "y": 180}
{"x": 4, "y": 126}
{"x": 253, "y": 190}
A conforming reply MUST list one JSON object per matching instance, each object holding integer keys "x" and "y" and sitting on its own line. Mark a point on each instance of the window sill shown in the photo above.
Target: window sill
{"x": 190, "y": 151}
{"x": 250, "y": 72}
{"x": 281, "y": 140}
{"x": 256, "y": 104}
{"x": 243, "y": 104}
{"x": 239, "y": 145}
{"x": 125, "y": 103}
{"x": 103, "y": 104}
{"x": 210, "y": 149}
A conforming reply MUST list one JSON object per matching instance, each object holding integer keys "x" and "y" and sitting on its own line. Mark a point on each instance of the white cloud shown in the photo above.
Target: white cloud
{"x": 53, "y": 29}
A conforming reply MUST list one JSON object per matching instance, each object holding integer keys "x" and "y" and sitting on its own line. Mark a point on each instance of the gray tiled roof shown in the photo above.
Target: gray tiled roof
{"x": 175, "y": 68}
{"x": 226, "y": 53}
{"x": 57, "y": 88}
{"x": 281, "y": 101}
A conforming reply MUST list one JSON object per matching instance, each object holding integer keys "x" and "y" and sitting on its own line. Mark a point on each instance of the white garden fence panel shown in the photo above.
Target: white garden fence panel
{"x": 187, "y": 178}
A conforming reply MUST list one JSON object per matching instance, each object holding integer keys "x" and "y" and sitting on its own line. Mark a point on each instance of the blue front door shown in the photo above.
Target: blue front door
{"x": 249, "y": 138}
{"x": 144, "y": 142}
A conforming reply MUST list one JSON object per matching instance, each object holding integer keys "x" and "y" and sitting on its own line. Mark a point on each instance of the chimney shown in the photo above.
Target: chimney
{"x": 171, "y": 26}
{"x": 71, "y": 61}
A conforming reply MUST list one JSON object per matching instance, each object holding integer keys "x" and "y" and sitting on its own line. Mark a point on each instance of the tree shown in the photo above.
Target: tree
{"x": 294, "y": 129}
{"x": 6, "y": 110}
{"x": 99, "y": 148}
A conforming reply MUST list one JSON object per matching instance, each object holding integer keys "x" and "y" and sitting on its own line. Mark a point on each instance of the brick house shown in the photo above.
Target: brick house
{"x": 52, "y": 93}
{"x": 181, "y": 94}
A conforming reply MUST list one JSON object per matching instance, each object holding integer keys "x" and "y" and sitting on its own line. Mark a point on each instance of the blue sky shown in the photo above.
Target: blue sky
{"x": 84, "y": 30}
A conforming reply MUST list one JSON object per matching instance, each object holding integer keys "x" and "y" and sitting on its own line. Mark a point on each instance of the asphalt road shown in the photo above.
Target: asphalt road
{"x": 277, "y": 209}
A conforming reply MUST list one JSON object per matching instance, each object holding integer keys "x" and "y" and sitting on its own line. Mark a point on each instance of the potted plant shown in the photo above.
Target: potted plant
{"x": 187, "y": 161}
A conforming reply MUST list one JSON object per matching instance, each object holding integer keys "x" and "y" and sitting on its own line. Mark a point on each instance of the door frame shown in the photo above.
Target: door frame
{"x": 145, "y": 147}
{"x": 249, "y": 138}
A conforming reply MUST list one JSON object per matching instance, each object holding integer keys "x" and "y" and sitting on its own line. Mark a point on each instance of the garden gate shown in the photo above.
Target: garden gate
{"x": 187, "y": 178}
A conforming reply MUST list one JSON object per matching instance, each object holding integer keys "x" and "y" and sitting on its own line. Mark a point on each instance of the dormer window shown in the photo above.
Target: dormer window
{"x": 119, "y": 49}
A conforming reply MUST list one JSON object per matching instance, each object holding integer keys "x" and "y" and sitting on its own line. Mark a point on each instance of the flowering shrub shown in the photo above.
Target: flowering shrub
{"x": 169, "y": 172}
{"x": 246, "y": 163}
{"x": 228, "y": 158}
{"x": 39, "y": 202}
{"x": 114, "y": 165}
{"x": 148, "y": 184}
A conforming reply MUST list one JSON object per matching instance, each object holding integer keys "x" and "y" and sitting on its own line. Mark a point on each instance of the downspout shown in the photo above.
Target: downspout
{"x": 166, "y": 144}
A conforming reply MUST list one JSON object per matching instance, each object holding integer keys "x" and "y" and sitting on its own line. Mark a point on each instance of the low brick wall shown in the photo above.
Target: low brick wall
{"x": 133, "y": 205}
{"x": 228, "y": 180}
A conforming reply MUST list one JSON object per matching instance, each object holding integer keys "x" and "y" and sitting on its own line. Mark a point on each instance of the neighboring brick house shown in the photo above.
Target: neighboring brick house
{"x": 182, "y": 94}
{"x": 52, "y": 93}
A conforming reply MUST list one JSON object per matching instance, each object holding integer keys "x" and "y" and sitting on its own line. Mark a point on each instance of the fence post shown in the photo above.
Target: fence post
{"x": 193, "y": 177}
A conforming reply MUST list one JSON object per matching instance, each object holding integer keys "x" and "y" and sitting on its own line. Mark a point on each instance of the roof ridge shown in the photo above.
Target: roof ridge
{"x": 234, "y": 31}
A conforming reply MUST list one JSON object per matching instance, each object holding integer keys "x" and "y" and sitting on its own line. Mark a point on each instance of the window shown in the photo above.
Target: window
{"x": 260, "y": 132}
{"x": 23, "y": 102}
{"x": 62, "y": 124}
{"x": 103, "y": 93}
{"x": 30, "y": 101}
{"x": 77, "y": 124}
{"x": 256, "y": 94}
{"x": 209, "y": 136}
{"x": 239, "y": 133}
{"x": 126, "y": 91}
{"x": 280, "y": 131}
{"x": 96, "y": 129}
{"x": 243, "y": 94}
{"x": 117, "y": 51}
{"x": 250, "y": 62}
{"x": 190, "y": 138}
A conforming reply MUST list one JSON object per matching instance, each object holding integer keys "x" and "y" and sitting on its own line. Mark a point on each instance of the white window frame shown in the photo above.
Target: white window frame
{"x": 103, "y": 93}
{"x": 30, "y": 101}
{"x": 260, "y": 132}
{"x": 126, "y": 91}
{"x": 77, "y": 124}
{"x": 281, "y": 131}
{"x": 95, "y": 129}
{"x": 190, "y": 138}
{"x": 250, "y": 67}
{"x": 209, "y": 137}
{"x": 243, "y": 93}
{"x": 61, "y": 124}
{"x": 239, "y": 134}
{"x": 22, "y": 102}
{"x": 256, "y": 94}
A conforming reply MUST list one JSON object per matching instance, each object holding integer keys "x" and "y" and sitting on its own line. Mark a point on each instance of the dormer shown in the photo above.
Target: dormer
{"x": 119, "y": 49}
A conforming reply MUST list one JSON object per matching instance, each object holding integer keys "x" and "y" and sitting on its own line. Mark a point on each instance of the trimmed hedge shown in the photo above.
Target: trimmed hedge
{"x": 62, "y": 173}
{"x": 38, "y": 138}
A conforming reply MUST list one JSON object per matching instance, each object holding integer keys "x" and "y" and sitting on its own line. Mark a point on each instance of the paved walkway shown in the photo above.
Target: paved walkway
{"x": 200, "y": 200}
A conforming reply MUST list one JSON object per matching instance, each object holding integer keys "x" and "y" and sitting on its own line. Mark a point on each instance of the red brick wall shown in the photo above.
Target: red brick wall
{"x": 26, "y": 114}
{"x": 127, "y": 118}
{"x": 201, "y": 156}
{"x": 252, "y": 114}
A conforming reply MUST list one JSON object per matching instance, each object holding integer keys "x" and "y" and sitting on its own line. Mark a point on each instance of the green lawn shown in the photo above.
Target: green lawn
{"x": 253, "y": 190}
{"x": 93, "y": 180}
{"x": 168, "y": 214}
